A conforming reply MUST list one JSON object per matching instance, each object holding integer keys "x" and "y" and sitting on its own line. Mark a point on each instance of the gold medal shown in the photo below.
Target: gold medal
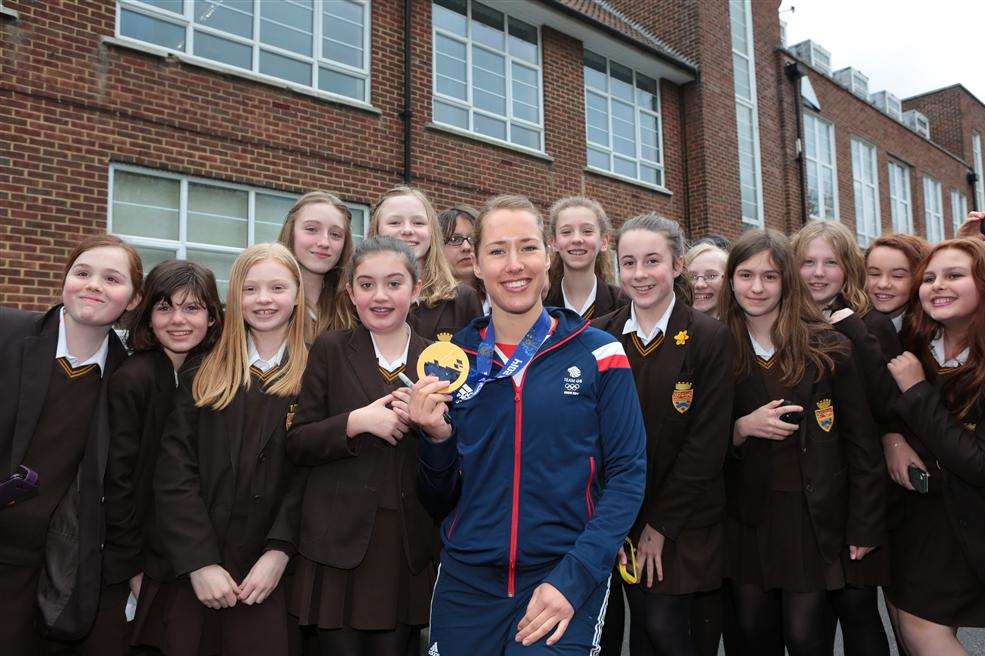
{"x": 446, "y": 361}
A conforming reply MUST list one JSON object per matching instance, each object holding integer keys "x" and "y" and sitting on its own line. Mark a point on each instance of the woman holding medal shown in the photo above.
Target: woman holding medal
{"x": 540, "y": 471}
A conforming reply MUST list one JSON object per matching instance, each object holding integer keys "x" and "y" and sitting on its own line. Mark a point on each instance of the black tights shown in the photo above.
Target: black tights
{"x": 659, "y": 624}
{"x": 402, "y": 641}
{"x": 861, "y": 626}
{"x": 769, "y": 620}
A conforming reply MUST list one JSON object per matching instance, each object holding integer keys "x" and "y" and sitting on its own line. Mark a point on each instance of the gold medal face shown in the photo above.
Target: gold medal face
{"x": 447, "y": 362}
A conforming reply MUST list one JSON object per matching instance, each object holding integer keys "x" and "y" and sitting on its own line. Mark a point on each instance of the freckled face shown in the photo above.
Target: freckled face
{"x": 97, "y": 288}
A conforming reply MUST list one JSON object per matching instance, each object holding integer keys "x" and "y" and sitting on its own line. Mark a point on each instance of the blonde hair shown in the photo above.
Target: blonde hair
{"x": 849, "y": 256}
{"x": 331, "y": 312}
{"x": 227, "y": 368}
{"x": 603, "y": 269}
{"x": 439, "y": 283}
{"x": 698, "y": 250}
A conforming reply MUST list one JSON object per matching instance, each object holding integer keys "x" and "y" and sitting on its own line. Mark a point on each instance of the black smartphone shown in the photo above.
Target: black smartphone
{"x": 792, "y": 417}
{"x": 919, "y": 479}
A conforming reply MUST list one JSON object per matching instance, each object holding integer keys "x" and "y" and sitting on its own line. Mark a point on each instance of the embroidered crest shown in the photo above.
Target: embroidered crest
{"x": 681, "y": 337}
{"x": 825, "y": 415}
{"x": 971, "y": 427}
{"x": 682, "y": 397}
{"x": 291, "y": 410}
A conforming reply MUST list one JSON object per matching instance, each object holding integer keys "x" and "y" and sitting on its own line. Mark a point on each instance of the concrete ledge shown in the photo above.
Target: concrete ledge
{"x": 622, "y": 178}
{"x": 438, "y": 127}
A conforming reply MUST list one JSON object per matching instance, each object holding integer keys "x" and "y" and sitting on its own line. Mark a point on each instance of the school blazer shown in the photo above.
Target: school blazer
{"x": 342, "y": 494}
{"x": 141, "y": 398}
{"x": 68, "y": 589}
{"x": 686, "y": 396}
{"x": 445, "y": 316}
{"x": 839, "y": 451}
{"x": 607, "y": 299}
{"x": 195, "y": 479}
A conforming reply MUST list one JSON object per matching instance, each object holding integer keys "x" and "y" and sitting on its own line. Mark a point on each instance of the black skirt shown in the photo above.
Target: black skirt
{"x": 692, "y": 563}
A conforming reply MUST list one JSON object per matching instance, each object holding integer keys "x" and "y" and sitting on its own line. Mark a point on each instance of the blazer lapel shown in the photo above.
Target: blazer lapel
{"x": 805, "y": 397}
{"x": 363, "y": 364}
{"x": 117, "y": 354}
{"x": 234, "y": 416}
{"x": 672, "y": 354}
{"x": 37, "y": 363}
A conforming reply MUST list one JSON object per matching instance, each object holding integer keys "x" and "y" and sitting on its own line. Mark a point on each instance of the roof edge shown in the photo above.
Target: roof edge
{"x": 956, "y": 85}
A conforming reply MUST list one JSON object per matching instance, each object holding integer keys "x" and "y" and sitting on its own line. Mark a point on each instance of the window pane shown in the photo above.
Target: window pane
{"x": 623, "y": 129}
{"x": 743, "y": 82}
{"x": 450, "y": 15}
{"x": 145, "y": 206}
{"x": 489, "y": 81}
{"x": 341, "y": 83}
{"x": 827, "y": 182}
{"x": 287, "y": 25}
{"x": 525, "y": 136}
{"x": 223, "y": 50}
{"x": 526, "y": 104}
{"x": 599, "y": 159}
{"x": 624, "y": 167}
{"x": 451, "y": 71}
{"x": 622, "y": 82}
{"x": 285, "y": 68}
{"x": 487, "y": 26}
{"x": 523, "y": 40}
{"x": 813, "y": 192}
{"x": 451, "y": 115}
{"x": 342, "y": 29}
{"x": 490, "y": 127}
{"x": 651, "y": 174}
{"x": 359, "y": 224}
{"x": 646, "y": 93}
{"x": 167, "y": 5}
{"x": 269, "y": 213}
{"x": 152, "y": 30}
{"x": 233, "y": 16}
{"x": 595, "y": 71}
{"x": 220, "y": 263}
{"x": 151, "y": 257}
{"x": 217, "y": 215}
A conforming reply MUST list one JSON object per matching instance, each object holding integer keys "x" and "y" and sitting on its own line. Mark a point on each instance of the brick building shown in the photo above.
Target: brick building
{"x": 188, "y": 126}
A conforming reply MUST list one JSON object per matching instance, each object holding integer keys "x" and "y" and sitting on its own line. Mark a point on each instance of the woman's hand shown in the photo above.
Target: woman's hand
{"x": 377, "y": 419}
{"x": 547, "y": 609}
{"x": 906, "y": 370}
{"x": 214, "y": 587}
{"x": 428, "y": 407}
{"x": 263, "y": 577}
{"x": 649, "y": 554}
{"x": 764, "y": 422}
{"x": 899, "y": 456}
{"x": 972, "y": 227}
{"x": 858, "y": 553}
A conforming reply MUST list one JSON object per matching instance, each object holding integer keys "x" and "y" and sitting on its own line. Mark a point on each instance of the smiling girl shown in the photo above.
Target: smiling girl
{"x": 680, "y": 360}
{"x": 938, "y": 573}
{"x": 705, "y": 264}
{"x": 53, "y": 421}
{"x": 579, "y": 235}
{"x": 445, "y": 305}
{"x": 227, "y": 497}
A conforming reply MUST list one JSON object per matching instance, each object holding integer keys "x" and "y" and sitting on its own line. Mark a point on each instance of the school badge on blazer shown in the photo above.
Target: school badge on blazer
{"x": 825, "y": 415}
{"x": 971, "y": 427}
{"x": 682, "y": 397}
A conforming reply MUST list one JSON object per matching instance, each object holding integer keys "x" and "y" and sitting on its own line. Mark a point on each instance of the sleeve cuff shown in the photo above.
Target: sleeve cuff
{"x": 280, "y": 545}
{"x": 573, "y": 581}
{"x": 438, "y": 457}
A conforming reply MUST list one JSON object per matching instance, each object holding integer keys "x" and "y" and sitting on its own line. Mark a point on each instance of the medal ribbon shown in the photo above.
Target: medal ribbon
{"x": 525, "y": 351}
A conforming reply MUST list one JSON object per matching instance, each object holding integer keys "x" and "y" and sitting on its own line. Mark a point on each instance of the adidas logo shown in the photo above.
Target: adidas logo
{"x": 433, "y": 651}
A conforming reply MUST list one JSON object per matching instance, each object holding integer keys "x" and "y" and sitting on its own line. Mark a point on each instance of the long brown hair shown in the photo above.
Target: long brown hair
{"x": 964, "y": 388}
{"x": 849, "y": 256}
{"x": 603, "y": 269}
{"x": 330, "y": 308}
{"x": 800, "y": 334}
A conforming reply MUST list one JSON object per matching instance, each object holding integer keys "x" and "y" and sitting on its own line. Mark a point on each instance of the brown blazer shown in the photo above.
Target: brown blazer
{"x": 607, "y": 299}
{"x": 842, "y": 468}
{"x": 343, "y": 489}
{"x": 195, "y": 481}
{"x": 445, "y": 316}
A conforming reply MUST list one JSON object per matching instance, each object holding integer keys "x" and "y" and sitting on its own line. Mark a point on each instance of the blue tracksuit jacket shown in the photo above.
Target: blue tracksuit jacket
{"x": 541, "y": 478}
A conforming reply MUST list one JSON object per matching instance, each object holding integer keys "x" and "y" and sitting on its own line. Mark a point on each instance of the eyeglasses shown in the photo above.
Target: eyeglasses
{"x": 458, "y": 240}
{"x": 707, "y": 276}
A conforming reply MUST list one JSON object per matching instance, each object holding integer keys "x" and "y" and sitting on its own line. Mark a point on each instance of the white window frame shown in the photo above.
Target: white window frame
{"x": 638, "y": 112}
{"x": 469, "y": 105}
{"x": 750, "y": 104}
{"x": 900, "y": 199}
{"x": 976, "y": 155}
{"x": 933, "y": 209}
{"x": 867, "y": 228}
{"x": 959, "y": 209}
{"x": 187, "y": 20}
{"x": 818, "y": 125}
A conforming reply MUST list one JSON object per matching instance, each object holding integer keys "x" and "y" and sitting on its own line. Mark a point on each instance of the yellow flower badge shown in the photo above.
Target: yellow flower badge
{"x": 681, "y": 337}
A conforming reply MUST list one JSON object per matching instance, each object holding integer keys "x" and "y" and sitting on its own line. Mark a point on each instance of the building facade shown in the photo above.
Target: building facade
{"x": 189, "y": 126}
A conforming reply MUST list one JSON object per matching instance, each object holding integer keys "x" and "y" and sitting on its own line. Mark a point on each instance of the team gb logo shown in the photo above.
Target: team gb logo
{"x": 572, "y": 382}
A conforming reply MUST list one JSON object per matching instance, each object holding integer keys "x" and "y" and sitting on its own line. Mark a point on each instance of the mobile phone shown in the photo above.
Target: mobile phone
{"x": 792, "y": 417}
{"x": 21, "y": 485}
{"x": 919, "y": 479}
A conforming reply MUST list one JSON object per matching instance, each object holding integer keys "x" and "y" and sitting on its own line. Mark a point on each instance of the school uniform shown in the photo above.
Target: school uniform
{"x": 445, "y": 317}
{"x": 603, "y": 299}
{"x": 53, "y": 419}
{"x": 225, "y": 493}
{"x": 795, "y": 505}
{"x": 938, "y": 570}
{"x": 684, "y": 379}
{"x": 366, "y": 543}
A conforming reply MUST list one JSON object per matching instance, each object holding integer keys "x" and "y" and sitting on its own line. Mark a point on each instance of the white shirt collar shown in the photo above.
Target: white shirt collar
{"x": 937, "y": 350}
{"x": 400, "y": 361}
{"x": 486, "y": 306}
{"x": 260, "y": 363}
{"x": 760, "y": 350}
{"x": 633, "y": 326}
{"x": 898, "y": 321}
{"x": 588, "y": 301}
{"x": 61, "y": 351}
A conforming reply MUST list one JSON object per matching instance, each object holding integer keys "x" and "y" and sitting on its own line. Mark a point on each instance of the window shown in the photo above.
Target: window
{"x": 171, "y": 216}
{"x": 822, "y": 177}
{"x": 319, "y": 44}
{"x": 959, "y": 209}
{"x": 746, "y": 119}
{"x": 486, "y": 73}
{"x": 622, "y": 121}
{"x": 867, "y": 224}
{"x": 933, "y": 213}
{"x": 899, "y": 198}
{"x": 976, "y": 155}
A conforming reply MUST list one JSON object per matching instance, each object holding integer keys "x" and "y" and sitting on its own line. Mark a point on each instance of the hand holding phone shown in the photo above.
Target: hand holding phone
{"x": 919, "y": 479}
{"x": 792, "y": 417}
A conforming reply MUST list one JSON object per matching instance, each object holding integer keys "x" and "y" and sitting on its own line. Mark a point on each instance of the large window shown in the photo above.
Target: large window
{"x": 487, "y": 77}
{"x": 746, "y": 111}
{"x": 867, "y": 224}
{"x": 959, "y": 209}
{"x": 822, "y": 176}
{"x": 321, "y": 44}
{"x": 933, "y": 212}
{"x": 205, "y": 221}
{"x": 976, "y": 155}
{"x": 899, "y": 198}
{"x": 622, "y": 121}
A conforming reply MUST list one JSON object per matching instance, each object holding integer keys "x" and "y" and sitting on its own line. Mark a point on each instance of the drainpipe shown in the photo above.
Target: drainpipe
{"x": 794, "y": 71}
{"x": 406, "y": 113}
